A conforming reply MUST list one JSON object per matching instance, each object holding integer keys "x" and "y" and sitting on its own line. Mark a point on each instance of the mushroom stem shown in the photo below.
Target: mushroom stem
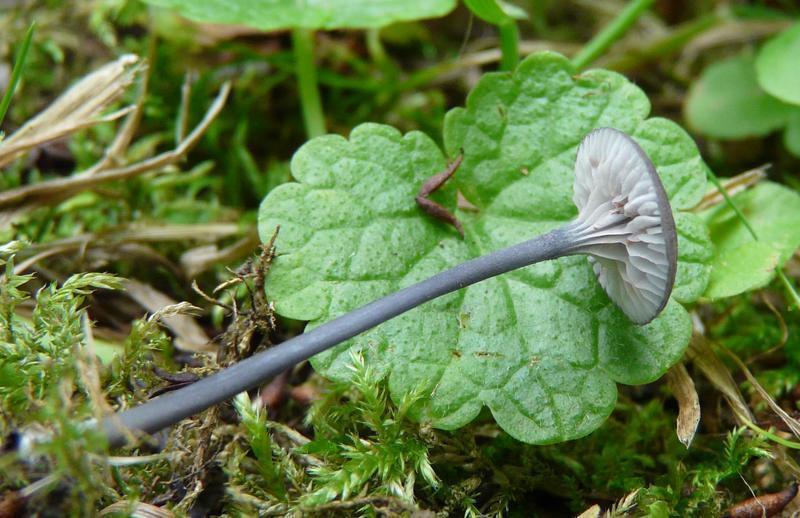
{"x": 172, "y": 407}
{"x": 624, "y": 224}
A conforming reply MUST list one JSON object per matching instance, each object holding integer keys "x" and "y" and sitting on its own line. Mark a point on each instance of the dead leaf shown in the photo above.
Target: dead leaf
{"x": 703, "y": 357}
{"x": 136, "y": 510}
{"x": 592, "y": 512}
{"x": 189, "y": 336}
{"x": 682, "y": 387}
{"x": 764, "y": 505}
{"x": 200, "y": 259}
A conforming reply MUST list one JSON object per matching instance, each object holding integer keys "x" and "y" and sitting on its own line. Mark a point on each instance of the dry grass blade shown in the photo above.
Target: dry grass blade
{"x": 683, "y": 389}
{"x": 792, "y": 423}
{"x": 200, "y": 259}
{"x": 136, "y": 510}
{"x": 127, "y": 242}
{"x": 52, "y": 191}
{"x": 189, "y": 336}
{"x": 621, "y": 508}
{"x": 712, "y": 368}
{"x": 732, "y": 186}
{"x": 126, "y": 133}
{"x": 76, "y": 109}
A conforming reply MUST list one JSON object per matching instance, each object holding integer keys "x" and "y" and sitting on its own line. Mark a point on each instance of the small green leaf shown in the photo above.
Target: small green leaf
{"x": 778, "y": 67}
{"x": 543, "y": 346}
{"x": 727, "y": 102}
{"x": 489, "y": 11}
{"x": 741, "y": 268}
{"x": 271, "y": 15}
{"x": 791, "y": 137}
{"x": 740, "y": 263}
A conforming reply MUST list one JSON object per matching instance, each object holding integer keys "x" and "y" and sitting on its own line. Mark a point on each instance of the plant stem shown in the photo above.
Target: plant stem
{"x": 509, "y": 45}
{"x": 665, "y": 45}
{"x": 313, "y": 118}
{"x": 610, "y": 33}
{"x": 170, "y": 408}
{"x": 16, "y": 73}
{"x": 771, "y": 436}
{"x": 378, "y": 53}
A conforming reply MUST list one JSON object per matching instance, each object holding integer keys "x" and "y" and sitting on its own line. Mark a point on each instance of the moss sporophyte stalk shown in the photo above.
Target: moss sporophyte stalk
{"x": 624, "y": 224}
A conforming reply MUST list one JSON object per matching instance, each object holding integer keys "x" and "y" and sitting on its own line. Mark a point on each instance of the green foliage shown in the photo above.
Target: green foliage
{"x": 541, "y": 347}
{"x": 776, "y": 66}
{"x": 270, "y": 15}
{"x": 746, "y": 96}
{"x": 36, "y": 355}
{"x": 132, "y": 368}
{"x": 705, "y": 480}
{"x": 255, "y": 423}
{"x": 491, "y": 11}
{"x": 364, "y": 439}
{"x": 16, "y": 73}
{"x": 740, "y": 263}
{"x": 727, "y": 102}
{"x": 791, "y": 137}
{"x": 363, "y": 445}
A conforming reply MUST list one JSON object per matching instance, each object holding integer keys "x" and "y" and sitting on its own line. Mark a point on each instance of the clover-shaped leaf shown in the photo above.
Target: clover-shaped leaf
{"x": 543, "y": 346}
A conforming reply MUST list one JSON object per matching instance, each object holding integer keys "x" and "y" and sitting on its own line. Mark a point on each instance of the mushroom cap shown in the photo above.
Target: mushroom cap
{"x": 625, "y": 223}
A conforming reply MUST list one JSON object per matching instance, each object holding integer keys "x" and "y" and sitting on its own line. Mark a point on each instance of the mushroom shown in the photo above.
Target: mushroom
{"x": 624, "y": 225}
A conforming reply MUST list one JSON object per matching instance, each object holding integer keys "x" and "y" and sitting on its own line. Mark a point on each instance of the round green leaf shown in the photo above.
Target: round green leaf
{"x": 727, "y": 102}
{"x": 778, "y": 67}
{"x": 741, "y": 268}
{"x": 269, "y": 15}
{"x": 543, "y": 346}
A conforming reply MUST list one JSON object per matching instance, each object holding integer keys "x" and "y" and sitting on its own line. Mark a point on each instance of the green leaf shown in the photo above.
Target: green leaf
{"x": 694, "y": 257}
{"x": 777, "y": 66}
{"x": 543, "y": 346}
{"x": 791, "y": 137}
{"x": 741, "y": 269}
{"x": 727, "y": 102}
{"x": 740, "y": 263}
{"x": 271, "y": 15}
{"x": 489, "y": 11}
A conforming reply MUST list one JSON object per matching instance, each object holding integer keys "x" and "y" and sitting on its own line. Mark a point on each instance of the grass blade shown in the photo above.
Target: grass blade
{"x": 16, "y": 74}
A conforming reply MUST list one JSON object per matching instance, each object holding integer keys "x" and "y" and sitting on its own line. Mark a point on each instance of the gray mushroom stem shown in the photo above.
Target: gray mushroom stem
{"x": 624, "y": 224}
{"x": 172, "y": 407}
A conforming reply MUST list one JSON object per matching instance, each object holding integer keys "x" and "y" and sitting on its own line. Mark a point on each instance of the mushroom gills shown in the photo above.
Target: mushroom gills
{"x": 624, "y": 223}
